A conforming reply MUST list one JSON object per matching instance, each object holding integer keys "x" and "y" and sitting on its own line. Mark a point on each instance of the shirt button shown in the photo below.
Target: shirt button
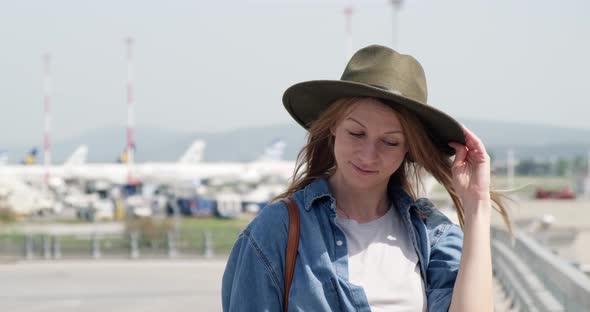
{"x": 339, "y": 243}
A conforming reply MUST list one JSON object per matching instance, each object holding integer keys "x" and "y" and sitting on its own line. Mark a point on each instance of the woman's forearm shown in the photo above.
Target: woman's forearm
{"x": 473, "y": 289}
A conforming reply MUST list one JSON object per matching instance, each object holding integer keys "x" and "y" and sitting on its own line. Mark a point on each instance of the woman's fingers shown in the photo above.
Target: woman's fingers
{"x": 472, "y": 141}
{"x": 460, "y": 152}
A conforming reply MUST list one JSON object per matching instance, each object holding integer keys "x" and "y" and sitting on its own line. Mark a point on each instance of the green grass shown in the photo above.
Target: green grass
{"x": 223, "y": 233}
{"x": 190, "y": 224}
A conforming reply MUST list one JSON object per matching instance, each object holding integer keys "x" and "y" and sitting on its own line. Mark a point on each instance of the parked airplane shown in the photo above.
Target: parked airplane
{"x": 270, "y": 163}
{"x": 30, "y": 171}
{"x": 24, "y": 199}
{"x": 121, "y": 173}
{"x": 189, "y": 167}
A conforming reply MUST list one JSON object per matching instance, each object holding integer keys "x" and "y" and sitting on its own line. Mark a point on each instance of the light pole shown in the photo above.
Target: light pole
{"x": 396, "y": 5}
{"x": 46, "y": 118}
{"x": 348, "y": 12}
{"x": 510, "y": 164}
{"x": 130, "y": 110}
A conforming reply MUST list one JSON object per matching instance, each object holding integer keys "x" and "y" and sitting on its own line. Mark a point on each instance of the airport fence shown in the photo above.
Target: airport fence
{"x": 138, "y": 240}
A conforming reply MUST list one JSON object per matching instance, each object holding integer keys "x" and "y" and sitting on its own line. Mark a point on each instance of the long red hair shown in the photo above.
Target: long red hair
{"x": 316, "y": 158}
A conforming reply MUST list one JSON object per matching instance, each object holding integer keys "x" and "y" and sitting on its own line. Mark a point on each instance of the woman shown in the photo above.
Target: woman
{"x": 367, "y": 243}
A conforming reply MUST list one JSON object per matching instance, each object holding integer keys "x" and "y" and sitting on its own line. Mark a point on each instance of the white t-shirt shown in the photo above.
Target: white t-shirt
{"x": 383, "y": 261}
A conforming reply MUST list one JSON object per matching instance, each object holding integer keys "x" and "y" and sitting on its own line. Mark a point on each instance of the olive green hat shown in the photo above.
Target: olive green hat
{"x": 382, "y": 73}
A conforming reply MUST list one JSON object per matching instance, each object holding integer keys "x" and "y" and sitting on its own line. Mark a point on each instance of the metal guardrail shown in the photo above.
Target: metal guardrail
{"x": 520, "y": 282}
{"x": 136, "y": 238}
{"x": 97, "y": 245}
{"x": 535, "y": 278}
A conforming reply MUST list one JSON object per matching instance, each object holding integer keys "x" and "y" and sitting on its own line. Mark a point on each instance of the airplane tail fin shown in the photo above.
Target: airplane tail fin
{"x": 274, "y": 151}
{"x": 30, "y": 157}
{"x": 194, "y": 154}
{"x": 123, "y": 157}
{"x": 78, "y": 157}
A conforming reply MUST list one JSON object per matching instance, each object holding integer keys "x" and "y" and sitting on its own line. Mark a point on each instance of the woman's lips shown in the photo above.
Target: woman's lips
{"x": 363, "y": 171}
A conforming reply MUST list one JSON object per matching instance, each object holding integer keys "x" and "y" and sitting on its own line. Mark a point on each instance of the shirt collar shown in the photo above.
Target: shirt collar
{"x": 315, "y": 190}
{"x": 403, "y": 201}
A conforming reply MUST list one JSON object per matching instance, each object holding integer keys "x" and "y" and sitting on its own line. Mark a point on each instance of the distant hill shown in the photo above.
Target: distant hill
{"x": 155, "y": 144}
{"x": 531, "y": 140}
{"x": 497, "y": 133}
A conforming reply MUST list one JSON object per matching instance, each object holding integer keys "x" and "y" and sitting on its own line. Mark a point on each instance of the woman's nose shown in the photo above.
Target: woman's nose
{"x": 368, "y": 152}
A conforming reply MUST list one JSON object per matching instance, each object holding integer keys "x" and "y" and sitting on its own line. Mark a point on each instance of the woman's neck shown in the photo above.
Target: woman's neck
{"x": 361, "y": 205}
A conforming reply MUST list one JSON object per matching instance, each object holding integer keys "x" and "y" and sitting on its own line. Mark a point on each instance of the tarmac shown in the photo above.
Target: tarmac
{"x": 121, "y": 285}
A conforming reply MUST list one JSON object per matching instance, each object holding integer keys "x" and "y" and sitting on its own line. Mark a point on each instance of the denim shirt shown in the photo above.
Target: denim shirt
{"x": 254, "y": 275}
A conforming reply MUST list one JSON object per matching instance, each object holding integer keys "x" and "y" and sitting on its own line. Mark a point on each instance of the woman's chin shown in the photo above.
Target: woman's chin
{"x": 363, "y": 181}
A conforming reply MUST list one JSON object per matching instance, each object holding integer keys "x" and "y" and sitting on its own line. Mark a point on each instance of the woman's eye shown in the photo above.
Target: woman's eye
{"x": 355, "y": 134}
{"x": 390, "y": 143}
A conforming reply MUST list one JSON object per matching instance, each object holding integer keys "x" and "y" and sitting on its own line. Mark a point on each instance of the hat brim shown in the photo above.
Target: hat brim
{"x": 306, "y": 100}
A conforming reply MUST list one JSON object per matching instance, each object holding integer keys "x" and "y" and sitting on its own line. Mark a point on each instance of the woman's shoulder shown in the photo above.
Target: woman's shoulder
{"x": 437, "y": 223}
{"x": 429, "y": 213}
{"x": 272, "y": 219}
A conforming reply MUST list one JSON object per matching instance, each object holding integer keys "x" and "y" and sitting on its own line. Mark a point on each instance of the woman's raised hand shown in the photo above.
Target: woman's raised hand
{"x": 471, "y": 170}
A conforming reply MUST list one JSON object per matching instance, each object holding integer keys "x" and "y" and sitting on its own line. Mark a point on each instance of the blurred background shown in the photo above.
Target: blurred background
{"x": 138, "y": 138}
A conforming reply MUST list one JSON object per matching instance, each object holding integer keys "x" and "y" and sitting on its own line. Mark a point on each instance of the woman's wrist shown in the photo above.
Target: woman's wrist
{"x": 475, "y": 208}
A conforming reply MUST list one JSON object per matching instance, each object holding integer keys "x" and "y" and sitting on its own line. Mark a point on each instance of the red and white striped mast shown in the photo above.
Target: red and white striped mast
{"x": 46, "y": 116}
{"x": 130, "y": 112}
{"x": 348, "y": 12}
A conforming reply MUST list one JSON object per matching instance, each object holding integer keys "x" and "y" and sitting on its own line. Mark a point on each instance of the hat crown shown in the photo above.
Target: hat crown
{"x": 383, "y": 67}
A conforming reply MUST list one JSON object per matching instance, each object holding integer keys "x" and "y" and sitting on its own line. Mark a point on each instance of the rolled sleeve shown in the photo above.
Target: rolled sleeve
{"x": 445, "y": 257}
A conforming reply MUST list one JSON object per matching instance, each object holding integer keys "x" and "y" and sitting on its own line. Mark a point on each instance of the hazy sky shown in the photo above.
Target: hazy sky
{"x": 225, "y": 64}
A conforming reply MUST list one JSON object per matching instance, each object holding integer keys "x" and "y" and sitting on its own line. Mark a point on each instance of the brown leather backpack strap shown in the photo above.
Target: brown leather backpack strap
{"x": 292, "y": 245}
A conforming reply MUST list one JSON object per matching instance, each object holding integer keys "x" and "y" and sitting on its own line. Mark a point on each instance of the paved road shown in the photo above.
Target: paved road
{"x": 146, "y": 286}
{"x": 111, "y": 286}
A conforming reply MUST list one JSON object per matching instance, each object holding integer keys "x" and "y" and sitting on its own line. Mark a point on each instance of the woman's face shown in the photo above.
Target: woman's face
{"x": 369, "y": 145}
